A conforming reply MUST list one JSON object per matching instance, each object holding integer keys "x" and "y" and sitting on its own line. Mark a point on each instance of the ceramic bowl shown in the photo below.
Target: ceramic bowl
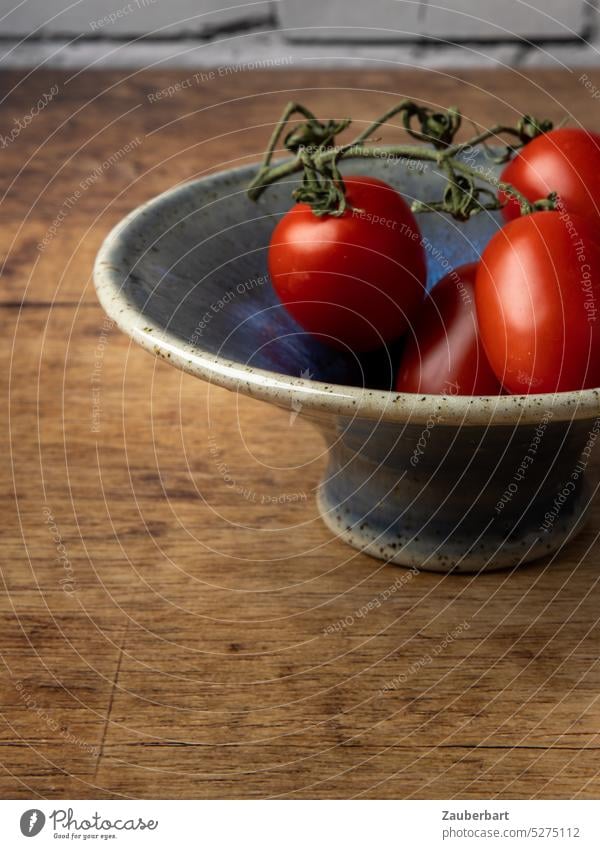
{"x": 444, "y": 483}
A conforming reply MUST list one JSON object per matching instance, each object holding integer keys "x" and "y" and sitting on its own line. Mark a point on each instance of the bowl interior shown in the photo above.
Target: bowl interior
{"x": 194, "y": 263}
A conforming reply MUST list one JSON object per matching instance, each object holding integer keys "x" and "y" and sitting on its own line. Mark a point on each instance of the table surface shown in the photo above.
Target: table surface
{"x": 167, "y": 629}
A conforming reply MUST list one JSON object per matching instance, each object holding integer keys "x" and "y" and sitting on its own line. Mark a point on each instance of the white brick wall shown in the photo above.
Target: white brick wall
{"x": 495, "y": 19}
{"x": 390, "y": 20}
{"x": 201, "y": 33}
{"x": 119, "y": 18}
{"x": 347, "y": 20}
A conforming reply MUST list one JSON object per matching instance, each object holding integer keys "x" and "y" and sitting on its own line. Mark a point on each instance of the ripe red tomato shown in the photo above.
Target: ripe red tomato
{"x": 355, "y": 280}
{"x": 566, "y": 161}
{"x": 537, "y": 294}
{"x": 443, "y": 354}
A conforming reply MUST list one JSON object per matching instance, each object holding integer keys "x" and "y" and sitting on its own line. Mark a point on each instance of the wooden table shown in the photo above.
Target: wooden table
{"x": 167, "y": 628}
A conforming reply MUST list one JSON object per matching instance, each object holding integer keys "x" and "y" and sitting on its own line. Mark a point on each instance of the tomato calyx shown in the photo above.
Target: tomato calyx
{"x": 437, "y": 128}
{"x": 530, "y": 128}
{"x": 317, "y": 155}
{"x": 322, "y": 186}
{"x": 314, "y": 134}
{"x": 551, "y": 203}
{"x": 462, "y": 198}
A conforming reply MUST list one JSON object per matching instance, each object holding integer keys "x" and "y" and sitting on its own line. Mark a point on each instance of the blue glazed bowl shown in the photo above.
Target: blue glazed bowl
{"x": 444, "y": 483}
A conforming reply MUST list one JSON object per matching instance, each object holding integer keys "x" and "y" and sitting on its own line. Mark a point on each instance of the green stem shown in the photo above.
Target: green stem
{"x": 323, "y": 186}
{"x": 290, "y": 109}
{"x": 507, "y": 188}
{"x": 480, "y": 138}
{"x": 391, "y": 113}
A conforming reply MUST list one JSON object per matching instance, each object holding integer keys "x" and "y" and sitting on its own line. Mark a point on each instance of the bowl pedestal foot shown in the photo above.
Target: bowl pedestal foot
{"x": 447, "y": 508}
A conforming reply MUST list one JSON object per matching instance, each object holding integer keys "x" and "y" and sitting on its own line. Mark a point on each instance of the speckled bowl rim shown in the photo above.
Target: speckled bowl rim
{"x": 311, "y": 396}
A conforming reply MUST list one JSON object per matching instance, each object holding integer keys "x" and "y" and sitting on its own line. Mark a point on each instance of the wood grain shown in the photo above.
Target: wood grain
{"x": 167, "y": 627}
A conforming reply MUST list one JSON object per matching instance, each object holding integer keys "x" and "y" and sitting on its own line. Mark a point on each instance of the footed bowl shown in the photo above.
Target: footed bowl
{"x": 443, "y": 483}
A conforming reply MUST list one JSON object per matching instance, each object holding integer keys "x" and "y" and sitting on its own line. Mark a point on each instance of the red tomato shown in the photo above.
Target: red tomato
{"x": 355, "y": 280}
{"x": 566, "y": 161}
{"x": 537, "y": 294}
{"x": 444, "y": 355}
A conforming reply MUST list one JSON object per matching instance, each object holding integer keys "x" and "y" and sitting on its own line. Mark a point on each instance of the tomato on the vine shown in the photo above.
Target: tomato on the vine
{"x": 537, "y": 293}
{"x": 354, "y": 280}
{"x": 565, "y": 161}
{"x": 443, "y": 353}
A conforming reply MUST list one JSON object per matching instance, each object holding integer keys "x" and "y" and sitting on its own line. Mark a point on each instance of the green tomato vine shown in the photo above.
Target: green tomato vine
{"x": 316, "y": 155}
